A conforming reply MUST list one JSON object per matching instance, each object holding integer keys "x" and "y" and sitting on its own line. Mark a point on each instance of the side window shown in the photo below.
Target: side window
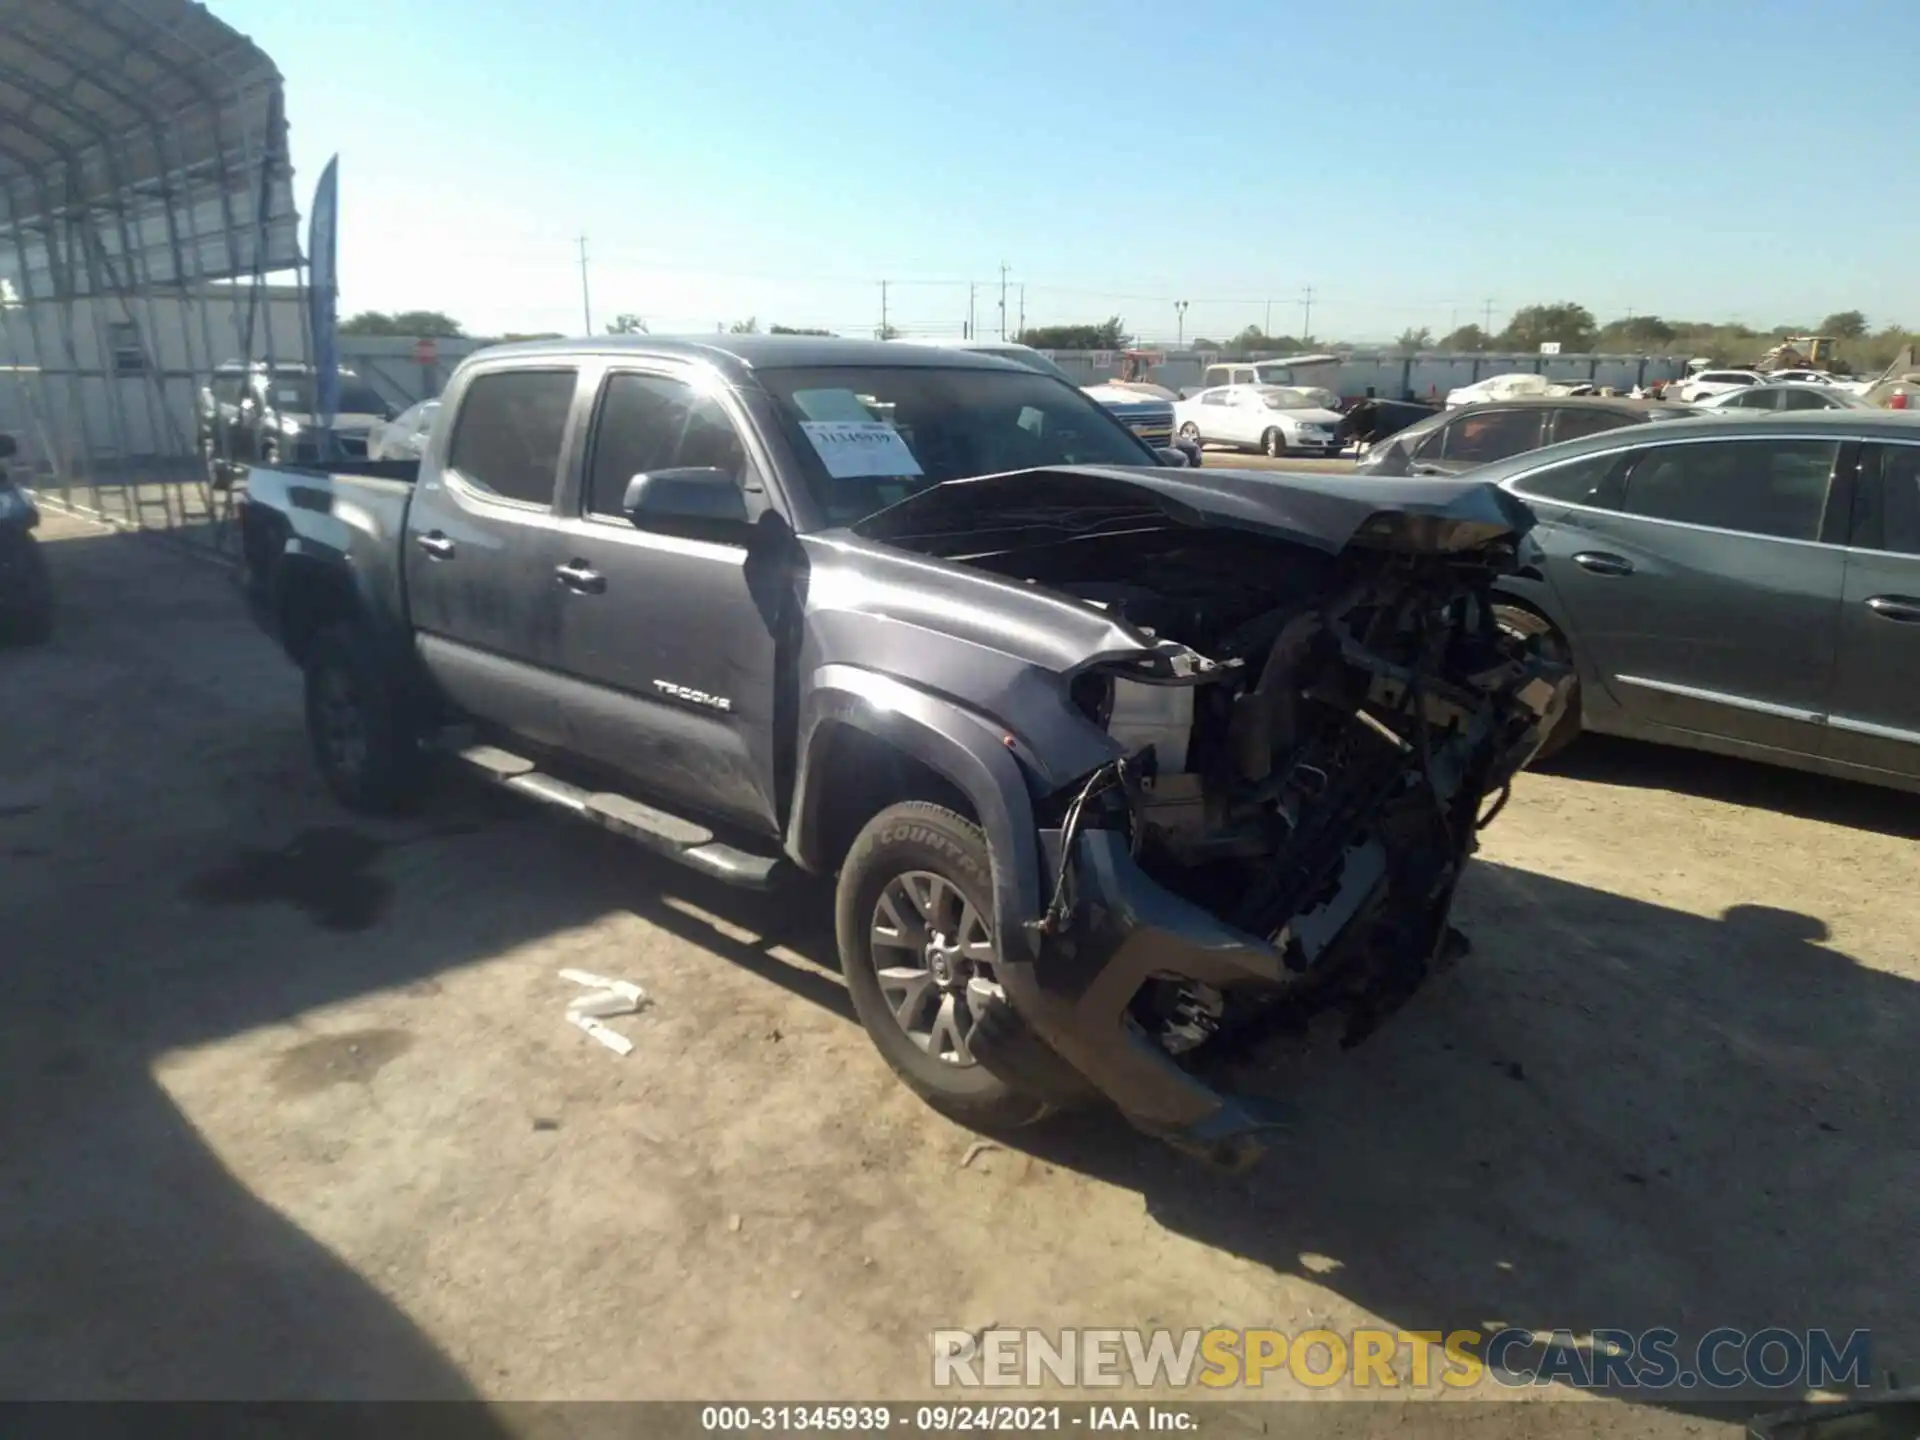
{"x": 651, "y": 422}
{"x": 1214, "y": 397}
{"x": 1886, "y": 516}
{"x": 1757, "y": 399}
{"x": 1482, "y": 439}
{"x": 1577, "y": 482}
{"x": 1759, "y": 487}
{"x": 508, "y": 433}
{"x": 1575, "y": 421}
{"x": 1432, "y": 445}
{"x": 1804, "y": 400}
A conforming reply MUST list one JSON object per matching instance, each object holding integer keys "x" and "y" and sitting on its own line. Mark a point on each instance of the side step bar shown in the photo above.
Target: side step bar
{"x": 687, "y": 841}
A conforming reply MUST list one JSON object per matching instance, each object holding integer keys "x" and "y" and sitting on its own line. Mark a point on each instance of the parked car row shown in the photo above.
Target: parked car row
{"x": 1454, "y": 441}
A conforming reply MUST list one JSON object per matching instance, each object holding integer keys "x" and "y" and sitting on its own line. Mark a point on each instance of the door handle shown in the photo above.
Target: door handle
{"x": 578, "y": 575}
{"x": 1601, "y": 563}
{"x": 1896, "y": 607}
{"x": 435, "y": 544}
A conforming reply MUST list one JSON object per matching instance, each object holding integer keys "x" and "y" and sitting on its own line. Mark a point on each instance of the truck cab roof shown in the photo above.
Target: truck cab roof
{"x": 759, "y": 352}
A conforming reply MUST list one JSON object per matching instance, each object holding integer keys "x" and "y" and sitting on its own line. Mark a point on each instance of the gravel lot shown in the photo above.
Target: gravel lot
{"x": 289, "y": 1107}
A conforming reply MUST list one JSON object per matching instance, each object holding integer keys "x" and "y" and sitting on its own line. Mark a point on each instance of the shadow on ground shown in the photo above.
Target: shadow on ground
{"x": 135, "y": 1265}
{"x": 1612, "y": 1115}
{"x": 1610, "y": 760}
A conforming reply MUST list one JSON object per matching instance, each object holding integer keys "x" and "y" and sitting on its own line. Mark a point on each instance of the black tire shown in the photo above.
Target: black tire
{"x": 1529, "y": 624}
{"x": 29, "y": 620}
{"x": 1190, "y": 433}
{"x": 903, "y": 839}
{"x": 363, "y": 741}
{"x": 1273, "y": 444}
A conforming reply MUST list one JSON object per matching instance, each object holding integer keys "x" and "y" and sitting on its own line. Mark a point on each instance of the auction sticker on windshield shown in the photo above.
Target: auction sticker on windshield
{"x": 856, "y": 449}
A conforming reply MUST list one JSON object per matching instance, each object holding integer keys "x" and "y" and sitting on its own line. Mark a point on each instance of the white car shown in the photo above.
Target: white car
{"x": 1748, "y": 399}
{"x": 1799, "y": 377}
{"x": 405, "y": 436}
{"x": 1277, "y": 419}
{"x": 1705, "y": 383}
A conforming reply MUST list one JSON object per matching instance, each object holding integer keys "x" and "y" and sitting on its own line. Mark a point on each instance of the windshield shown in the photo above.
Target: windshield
{"x": 868, "y": 437}
{"x": 1291, "y": 399}
{"x": 295, "y": 394}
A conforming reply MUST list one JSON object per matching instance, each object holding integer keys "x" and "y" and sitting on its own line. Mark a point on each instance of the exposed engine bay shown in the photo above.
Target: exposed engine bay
{"x": 1310, "y": 751}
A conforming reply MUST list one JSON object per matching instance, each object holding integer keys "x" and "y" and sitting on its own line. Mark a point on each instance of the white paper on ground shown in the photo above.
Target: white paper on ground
{"x": 612, "y": 1039}
{"x": 854, "y": 449}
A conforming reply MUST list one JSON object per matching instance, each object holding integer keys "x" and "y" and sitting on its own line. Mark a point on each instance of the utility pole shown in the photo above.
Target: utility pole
{"x": 971, "y": 287}
{"x": 1180, "y": 321}
{"x": 1023, "y": 311}
{"x": 586, "y": 305}
{"x": 1306, "y": 317}
{"x": 1003, "y": 299}
{"x": 1266, "y": 325}
{"x": 883, "y": 309}
{"x": 1486, "y": 326}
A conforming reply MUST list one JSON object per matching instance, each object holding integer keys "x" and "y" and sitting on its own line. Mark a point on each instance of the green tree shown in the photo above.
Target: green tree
{"x": 1846, "y": 325}
{"x": 1109, "y": 334}
{"x": 415, "y": 324}
{"x": 1255, "y": 341}
{"x": 748, "y": 326}
{"x": 1412, "y": 340}
{"x": 627, "y": 324}
{"x": 1464, "y": 337}
{"x": 1636, "y": 332}
{"x": 795, "y": 330}
{"x": 1564, "y": 323}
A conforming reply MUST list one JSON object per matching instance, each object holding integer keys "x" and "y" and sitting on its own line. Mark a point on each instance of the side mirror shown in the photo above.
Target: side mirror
{"x": 8, "y": 447}
{"x": 1175, "y": 458}
{"x": 703, "y": 494}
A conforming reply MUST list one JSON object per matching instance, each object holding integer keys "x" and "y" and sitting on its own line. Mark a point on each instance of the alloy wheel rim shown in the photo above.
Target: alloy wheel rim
{"x": 934, "y": 957}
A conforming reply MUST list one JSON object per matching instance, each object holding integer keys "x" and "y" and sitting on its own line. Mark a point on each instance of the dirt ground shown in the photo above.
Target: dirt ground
{"x": 288, "y": 1108}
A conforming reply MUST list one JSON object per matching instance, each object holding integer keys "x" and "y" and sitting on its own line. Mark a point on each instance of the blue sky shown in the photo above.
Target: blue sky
{"x": 1411, "y": 163}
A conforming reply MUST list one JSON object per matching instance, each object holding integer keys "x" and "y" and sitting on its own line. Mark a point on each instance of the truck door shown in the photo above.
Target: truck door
{"x": 674, "y": 630}
{"x": 480, "y": 543}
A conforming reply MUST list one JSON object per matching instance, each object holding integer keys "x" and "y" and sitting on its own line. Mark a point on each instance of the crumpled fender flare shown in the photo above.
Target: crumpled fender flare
{"x": 953, "y": 741}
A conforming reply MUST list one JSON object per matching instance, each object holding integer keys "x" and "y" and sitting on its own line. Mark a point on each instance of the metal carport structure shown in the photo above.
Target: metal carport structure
{"x": 145, "y": 199}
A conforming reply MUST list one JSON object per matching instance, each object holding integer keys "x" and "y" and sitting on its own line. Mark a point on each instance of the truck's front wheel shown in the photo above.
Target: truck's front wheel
{"x": 362, "y": 741}
{"x": 915, "y": 923}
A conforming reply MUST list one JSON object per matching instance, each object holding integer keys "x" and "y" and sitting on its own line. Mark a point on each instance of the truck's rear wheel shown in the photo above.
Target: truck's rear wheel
{"x": 362, "y": 740}
{"x": 915, "y": 922}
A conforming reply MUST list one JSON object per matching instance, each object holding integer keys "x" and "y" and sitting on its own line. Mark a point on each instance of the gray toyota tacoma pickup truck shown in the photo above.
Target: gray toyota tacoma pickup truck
{"x": 1119, "y": 765}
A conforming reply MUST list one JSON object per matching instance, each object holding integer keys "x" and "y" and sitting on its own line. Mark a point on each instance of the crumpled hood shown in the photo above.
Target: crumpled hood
{"x": 1324, "y": 512}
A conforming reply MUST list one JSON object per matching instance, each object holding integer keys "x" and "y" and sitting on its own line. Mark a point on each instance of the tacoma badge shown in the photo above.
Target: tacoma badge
{"x": 692, "y": 696}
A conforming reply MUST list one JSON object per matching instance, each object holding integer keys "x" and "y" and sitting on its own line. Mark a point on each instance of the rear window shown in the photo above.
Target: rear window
{"x": 508, "y": 432}
{"x": 1481, "y": 438}
{"x": 1588, "y": 420}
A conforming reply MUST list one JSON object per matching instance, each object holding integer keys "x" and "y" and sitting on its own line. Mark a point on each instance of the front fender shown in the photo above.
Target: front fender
{"x": 976, "y": 756}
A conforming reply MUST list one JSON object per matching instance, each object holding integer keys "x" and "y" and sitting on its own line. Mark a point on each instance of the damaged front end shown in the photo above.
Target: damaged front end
{"x": 1322, "y": 717}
